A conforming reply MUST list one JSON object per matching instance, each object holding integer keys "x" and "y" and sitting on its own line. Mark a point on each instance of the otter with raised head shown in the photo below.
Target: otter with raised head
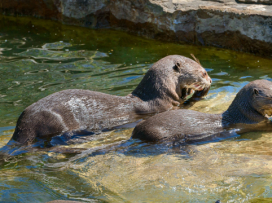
{"x": 249, "y": 111}
{"x": 166, "y": 85}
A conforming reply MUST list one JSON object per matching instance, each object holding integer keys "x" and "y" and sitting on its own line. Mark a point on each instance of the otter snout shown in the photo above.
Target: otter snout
{"x": 210, "y": 80}
{"x": 207, "y": 78}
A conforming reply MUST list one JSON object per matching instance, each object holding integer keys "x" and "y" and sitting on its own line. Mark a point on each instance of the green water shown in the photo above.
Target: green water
{"x": 38, "y": 58}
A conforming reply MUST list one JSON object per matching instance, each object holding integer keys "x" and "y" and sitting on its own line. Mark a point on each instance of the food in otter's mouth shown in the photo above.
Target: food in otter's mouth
{"x": 268, "y": 113}
{"x": 186, "y": 92}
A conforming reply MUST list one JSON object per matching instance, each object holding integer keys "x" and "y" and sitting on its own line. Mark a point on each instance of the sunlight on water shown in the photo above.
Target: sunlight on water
{"x": 38, "y": 60}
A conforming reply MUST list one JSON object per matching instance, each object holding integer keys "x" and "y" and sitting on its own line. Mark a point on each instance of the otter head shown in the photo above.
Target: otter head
{"x": 261, "y": 96}
{"x": 252, "y": 104}
{"x": 172, "y": 79}
{"x": 192, "y": 78}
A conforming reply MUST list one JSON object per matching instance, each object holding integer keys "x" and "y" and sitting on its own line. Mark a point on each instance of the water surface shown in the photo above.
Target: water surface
{"x": 38, "y": 58}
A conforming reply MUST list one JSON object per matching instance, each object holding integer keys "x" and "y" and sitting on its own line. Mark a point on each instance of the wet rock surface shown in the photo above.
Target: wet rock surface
{"x": 243, "y": 25}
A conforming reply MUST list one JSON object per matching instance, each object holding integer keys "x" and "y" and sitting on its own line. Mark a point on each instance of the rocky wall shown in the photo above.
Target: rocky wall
{"x": 226, "y": 23}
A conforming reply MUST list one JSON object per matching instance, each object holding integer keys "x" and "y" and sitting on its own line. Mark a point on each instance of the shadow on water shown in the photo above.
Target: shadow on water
{"x": 138, "y": 148}
{"x": 131, "y": 147}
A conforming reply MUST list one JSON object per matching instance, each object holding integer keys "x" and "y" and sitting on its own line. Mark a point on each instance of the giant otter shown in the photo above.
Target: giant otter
{"x": 166, "y": 85}
{"x": 249, "y": 111}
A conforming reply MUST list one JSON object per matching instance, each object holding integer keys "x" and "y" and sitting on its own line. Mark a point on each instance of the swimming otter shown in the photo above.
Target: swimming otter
{"x": 166, "y": 85}
{"x": 249, "y": 111}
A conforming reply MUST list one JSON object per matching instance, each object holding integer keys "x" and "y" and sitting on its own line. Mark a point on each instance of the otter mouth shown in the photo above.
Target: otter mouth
{"x": 268, "y": 113}
{"x": 186, "y": 92}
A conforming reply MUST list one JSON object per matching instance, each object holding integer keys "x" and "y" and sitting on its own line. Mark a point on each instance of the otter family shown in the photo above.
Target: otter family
{"x": 166, "y": 85}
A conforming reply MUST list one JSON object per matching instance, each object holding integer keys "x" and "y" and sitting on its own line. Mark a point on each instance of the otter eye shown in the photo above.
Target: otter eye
{"x": 176, "y": 67}
{"x": 256, "y": 91}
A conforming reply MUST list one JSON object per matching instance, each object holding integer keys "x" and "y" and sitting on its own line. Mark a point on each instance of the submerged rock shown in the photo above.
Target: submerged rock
{"x": 229, "y": 24}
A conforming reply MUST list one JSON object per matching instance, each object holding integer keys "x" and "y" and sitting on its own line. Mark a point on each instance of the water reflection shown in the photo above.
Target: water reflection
{"x": 37, "y": 61}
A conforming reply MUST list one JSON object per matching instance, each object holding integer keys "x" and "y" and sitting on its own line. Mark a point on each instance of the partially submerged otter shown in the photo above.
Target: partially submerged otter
{"x": 249, "y": 111}
{"x": 166, "y": 85}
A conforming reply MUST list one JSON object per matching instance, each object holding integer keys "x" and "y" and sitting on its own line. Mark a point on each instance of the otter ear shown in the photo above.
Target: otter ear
{"x": 256, "y": 91}
{"x": 176, "y": 66}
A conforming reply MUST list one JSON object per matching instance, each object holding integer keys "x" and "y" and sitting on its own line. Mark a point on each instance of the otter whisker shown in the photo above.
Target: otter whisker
{"x": 196, "y": 60}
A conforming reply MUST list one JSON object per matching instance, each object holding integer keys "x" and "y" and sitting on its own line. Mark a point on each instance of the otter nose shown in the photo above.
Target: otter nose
{"x": 209, "y": 79}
